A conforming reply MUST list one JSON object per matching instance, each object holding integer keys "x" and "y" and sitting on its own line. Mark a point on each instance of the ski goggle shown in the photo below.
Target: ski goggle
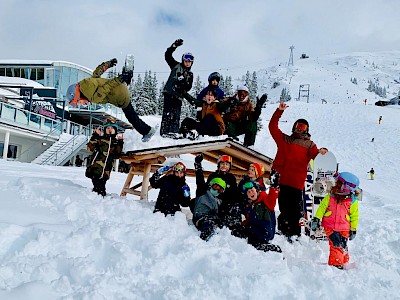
{"x": 179, "y": 168}
{"x": 110, "y": 122}
{"x": 188, "y": 57}
{"x": 300, "y": 126}
{"x": 347, "y": 187}
{"x": 248, "y": 185}
{"x": 218, "y": 188}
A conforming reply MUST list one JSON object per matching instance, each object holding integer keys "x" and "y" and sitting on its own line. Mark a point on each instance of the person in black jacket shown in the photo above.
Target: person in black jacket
{"x": 174, "y": 192}
{"x": 179, "y": 82}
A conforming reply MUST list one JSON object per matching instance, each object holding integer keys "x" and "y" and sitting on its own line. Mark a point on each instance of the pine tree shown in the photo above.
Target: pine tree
{"x": 285, "y": 95}
{"x": 160, "y": 99}
{"x": 198, "y": 86}
{"x": 228, "y": 87}
{"x": 253, "y": 88}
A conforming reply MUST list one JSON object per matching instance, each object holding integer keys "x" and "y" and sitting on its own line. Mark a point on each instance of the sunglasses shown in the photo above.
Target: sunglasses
{"x": 300, "y": 126}
{"x": 242, "y": 95}
{"x": 188, "y": 57}
{"x": 218, "y": 188}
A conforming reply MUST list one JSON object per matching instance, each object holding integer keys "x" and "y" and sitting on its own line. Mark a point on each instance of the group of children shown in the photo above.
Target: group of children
{"x": 246, "y": 209}
{"x": 218, "y": 202}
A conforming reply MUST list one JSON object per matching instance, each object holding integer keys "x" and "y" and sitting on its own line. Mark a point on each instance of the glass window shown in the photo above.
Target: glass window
{"x": 2, "y": 72}
{"x": 8, "y": 72}
{"x": 65, "y": 79}
{"x": 33, "y": 74}
{"x": 12, "y": 151}
{"x": 49, "y": 77}
{"x": 74, "y": 76}
{"x": 40, "y": 75}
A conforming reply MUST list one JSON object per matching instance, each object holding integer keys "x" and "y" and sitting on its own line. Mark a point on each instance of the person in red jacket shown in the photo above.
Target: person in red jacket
{"x": 291, "y": 161}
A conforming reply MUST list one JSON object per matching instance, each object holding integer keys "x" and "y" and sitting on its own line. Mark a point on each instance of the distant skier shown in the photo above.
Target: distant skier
{"x": 380, "y": 120}
{"x": 373, "y": 139}
{"x": 103, "y": 90}
{"x": 339, "y": 214}
{"x": 371, "y": 173}
{"x": 291, "y": 162}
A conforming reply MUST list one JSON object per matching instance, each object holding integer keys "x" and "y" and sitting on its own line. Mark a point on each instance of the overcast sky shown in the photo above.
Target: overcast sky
{"x": 229, "y": 36}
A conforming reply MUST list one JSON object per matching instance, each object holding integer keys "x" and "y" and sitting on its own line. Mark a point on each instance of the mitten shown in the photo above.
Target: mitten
{"x": 315, "y": 224}
{"x": 352, "y": 235}
{"x": 186, "y": 191}
{"x": 197, "y": 161}
{"x": 274, "y": 179}
{"x": 261, "y": 101}
{"x": 163, "y": 169}
{"x": 199, "y": 158}
{"x": 177, "y": 43}
{"x": 113, "y": 62}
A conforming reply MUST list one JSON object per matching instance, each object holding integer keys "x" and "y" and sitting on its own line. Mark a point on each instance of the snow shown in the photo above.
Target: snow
{"x": 58, "y": 240}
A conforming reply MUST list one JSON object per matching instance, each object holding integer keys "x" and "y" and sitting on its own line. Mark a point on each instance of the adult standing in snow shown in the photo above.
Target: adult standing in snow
{"x": 174, "y": 192}
{"x": 293, "y": 155}
{"x": 179, "y": 82}
{"x": 115, "y": 91}
{"x": 242, "y": 117}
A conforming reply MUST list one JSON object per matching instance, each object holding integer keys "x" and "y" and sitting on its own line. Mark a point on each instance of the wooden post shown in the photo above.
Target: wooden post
{"x": 145, "y": 185}
{"x": 128, "y": 180}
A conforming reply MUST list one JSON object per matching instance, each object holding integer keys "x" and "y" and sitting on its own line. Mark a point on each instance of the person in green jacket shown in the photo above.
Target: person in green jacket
{"x": 105, "y": 147}
{"x": 114, "y": 91}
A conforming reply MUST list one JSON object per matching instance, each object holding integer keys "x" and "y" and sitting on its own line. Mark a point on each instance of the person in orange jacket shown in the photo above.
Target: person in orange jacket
{"x": 339, "y": 214}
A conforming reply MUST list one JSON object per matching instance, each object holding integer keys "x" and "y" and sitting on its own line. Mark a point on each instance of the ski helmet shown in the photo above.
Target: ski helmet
{"x": 350, "y": 183}
{"x": 300, "y": 124}
{"x": 218, "y": 181}
{"x": 225, "y": 158}
{"x": 179, "y": 166}
{"x": 187, "y": 57}
{"x": 243, "y": 93}
{"x": 110, "y": 122}
{"x": 73, "y": 92}
{"x": 214, "y": 76}
{"x": 259, "y": 169}
{"x": 249, "y": 185}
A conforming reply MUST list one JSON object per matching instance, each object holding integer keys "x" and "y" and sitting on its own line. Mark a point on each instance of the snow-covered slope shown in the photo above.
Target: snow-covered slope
{"x": 58, "y": 240}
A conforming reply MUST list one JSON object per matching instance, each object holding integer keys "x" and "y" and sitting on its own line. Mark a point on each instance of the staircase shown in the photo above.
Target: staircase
{"x": 62, "y": 151}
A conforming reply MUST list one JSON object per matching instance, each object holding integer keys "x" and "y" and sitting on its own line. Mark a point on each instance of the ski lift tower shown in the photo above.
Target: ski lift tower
{"x": 290, "y": 63}
{"x": 304, "y": 91}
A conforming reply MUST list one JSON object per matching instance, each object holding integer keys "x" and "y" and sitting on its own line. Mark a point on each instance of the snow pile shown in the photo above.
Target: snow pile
{"x": 58, "y": 240}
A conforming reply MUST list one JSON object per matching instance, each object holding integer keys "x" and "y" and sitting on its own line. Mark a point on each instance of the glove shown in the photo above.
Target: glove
{"x": 315, "y": 224}
{"x": 163, "y": 169}
{"x": 199, "y": 158}
{"x": 177, "y": 43}
{"x": 352, "y": 235}
{"x": 261, "y": 101}
{"x": 274, "y": 179}
{"x": 113, "y": 62}
{"x": 186, "y": 191}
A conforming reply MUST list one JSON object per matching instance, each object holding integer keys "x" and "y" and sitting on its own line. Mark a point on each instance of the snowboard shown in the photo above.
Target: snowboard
{"x": 325, "y": 167}
{"x": 317, "y": 185}
{"x": 129, "y": 65}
